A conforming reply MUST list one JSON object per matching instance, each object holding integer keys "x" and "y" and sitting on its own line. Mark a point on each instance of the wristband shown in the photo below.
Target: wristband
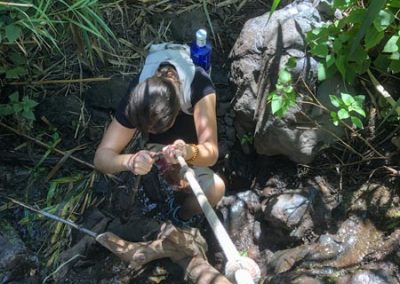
{"x": 195, "y": 153}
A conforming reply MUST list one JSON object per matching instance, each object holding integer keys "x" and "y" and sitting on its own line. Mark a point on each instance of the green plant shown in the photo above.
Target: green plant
{"x": 284, "y": 95}
{"x": 17, "y": 107}
{"x": 247, "y": 139}
{"x": 349, "y": 106}
{"x": 362, "y": 39}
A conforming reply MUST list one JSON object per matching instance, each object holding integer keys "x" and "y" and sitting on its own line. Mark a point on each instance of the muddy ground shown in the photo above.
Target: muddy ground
{"x": 347, "y": 233}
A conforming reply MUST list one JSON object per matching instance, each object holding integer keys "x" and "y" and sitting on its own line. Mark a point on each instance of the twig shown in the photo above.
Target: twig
{"x": 15, "y": 4}
{"x": 343, "y": 123}
{"x": 61, "y": 266}
{"x": 49, "y": 82}
{"x": 333, "y": 134}
{"x": 383, "y": 92}
{"x": 40, "y": 143}
{"x": 393, "y": 172}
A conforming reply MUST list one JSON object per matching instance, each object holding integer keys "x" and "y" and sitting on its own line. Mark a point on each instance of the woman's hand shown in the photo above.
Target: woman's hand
{"x": 178, "y": 148}
{"x": 139, "y": 163}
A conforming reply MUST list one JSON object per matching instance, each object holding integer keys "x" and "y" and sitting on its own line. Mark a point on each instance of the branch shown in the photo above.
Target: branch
{"x": 49, "y": 82}
{"x": 40, "y": 143}
{"x": 15, "y": 4}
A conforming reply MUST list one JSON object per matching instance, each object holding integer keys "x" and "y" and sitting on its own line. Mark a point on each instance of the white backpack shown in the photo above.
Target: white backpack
{"x": 179, "y": 56}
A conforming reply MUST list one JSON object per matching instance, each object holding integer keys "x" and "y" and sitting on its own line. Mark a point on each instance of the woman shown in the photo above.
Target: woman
{"x": 174, "y": 102}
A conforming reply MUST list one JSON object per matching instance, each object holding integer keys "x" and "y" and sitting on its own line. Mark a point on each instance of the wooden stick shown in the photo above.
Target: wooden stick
{"x": 49, "y": 82}
{"x": 40, "y": 143}
{"x": 15, "y": 4}
{"x": 54, "y": 217}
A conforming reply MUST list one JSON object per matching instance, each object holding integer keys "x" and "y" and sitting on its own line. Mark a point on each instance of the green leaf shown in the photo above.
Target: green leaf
{"x": 288, "y": 89}
{"x": 358, "y": 110}
{"x": 12, "y": 32}
{"x": 373, "y": 37}
{"x": 276, "y": 103}
{"x": 321, "y": 49}
{"x": 6, "y": 110}
{"x": 359, "y": 99}
{"x": 391, "y": 45}
{"x": 335, "y": 100}
{"x": 394, "y": 4}
{"x": 335, "y": 118}
{"x": 284, "y": 76}
{"x": 51, "y": 192}
{"x": 17, "y": 58}
{"x": 347, "y": 99}
{"x": 330, "y": 60}
{"x": 275, "y": 5}
{"x": 337, "y": 45}
{"x": 357, "y": 122}
{"x": 15, "y": 73}
{"x": 292, "y": 62}
{"x": 382, "y": 62}
{"x": 341, "y": 65}
{"x": 356, "y": 16}
{"x": 383, "y": 20}
{"x": 17, "y": 108}
{"x": 373, "y": 10}
{"x": 28, "y": 103}
{"x": 28, "y": 114}
{"x": 321, "y": 72}
{"x": 343, "y": 114}
{"x": 14, "y": 97}
{"x": 342, "y": 3}
{"x": 395, "y": 56}
{"x": 395, "y": 66}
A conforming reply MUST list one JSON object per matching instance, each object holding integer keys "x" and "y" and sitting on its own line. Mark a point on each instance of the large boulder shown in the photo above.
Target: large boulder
{"x": 264, "y": 46}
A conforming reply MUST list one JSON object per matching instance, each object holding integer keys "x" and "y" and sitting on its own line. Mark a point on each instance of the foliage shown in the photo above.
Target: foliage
{"x": 247, "y": 139}
{"x": 284, "y": 95}
{"x": 362, "y": 39}
{"x": 32, "y": 33}
{"x": 66, "y": 197}
{"x": 366, "y": 37}
{"x": 348, "y": 106}
{"x": 17, "y": 107}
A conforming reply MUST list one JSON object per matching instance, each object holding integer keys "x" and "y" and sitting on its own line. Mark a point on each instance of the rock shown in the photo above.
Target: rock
{"x": 287, "y": 209}
{"x": 262, "y": 49}
{"x": 106, "y": 95}
{"x": 61, "y": 111}
{"x": 16, "y": 261}
{"x": 238, "y": 211}
{"x": 367, "y": 276}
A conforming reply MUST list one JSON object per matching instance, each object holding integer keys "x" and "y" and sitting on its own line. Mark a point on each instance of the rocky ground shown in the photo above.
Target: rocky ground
{"x": 324, "y": 222}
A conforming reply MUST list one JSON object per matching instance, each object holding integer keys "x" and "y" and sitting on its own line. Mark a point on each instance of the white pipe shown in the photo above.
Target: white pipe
{"x": 222, "y": 236}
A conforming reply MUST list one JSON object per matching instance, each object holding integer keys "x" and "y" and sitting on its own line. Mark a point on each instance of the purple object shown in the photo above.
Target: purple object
{"x": 200, "y": 50}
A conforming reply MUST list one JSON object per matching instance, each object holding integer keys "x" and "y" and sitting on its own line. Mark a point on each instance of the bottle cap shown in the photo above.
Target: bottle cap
{"x": 201, "y": 37}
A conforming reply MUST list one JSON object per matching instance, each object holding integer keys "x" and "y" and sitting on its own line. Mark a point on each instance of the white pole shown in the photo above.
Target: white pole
{"x": 222, "y": 236}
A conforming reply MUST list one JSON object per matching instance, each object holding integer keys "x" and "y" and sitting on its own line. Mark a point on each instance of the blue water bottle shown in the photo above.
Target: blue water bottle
{"x": 200, "y": 50}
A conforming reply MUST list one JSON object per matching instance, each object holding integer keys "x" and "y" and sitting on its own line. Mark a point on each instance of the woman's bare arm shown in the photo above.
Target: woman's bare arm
{"x": 108, "y": 157}
{"x": 205, "y": 119}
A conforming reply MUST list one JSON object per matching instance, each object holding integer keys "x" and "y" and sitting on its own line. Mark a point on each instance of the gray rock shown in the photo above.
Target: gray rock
{"x": 287, "y": 210}
{"x": 262, "y": 49}
{"x": 106, "y": 95}
{"x": 16, "y": 261}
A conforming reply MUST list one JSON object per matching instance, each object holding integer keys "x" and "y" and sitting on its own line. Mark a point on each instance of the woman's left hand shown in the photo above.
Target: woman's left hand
{"x": 178, "y": 148}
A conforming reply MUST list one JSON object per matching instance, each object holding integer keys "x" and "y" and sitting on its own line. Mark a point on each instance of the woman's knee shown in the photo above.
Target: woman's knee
{"x": 212, "y": 185}
{"x": 218, "y": 190}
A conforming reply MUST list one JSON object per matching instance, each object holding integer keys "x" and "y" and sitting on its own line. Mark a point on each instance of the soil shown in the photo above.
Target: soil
{"x": 37, "y": 175}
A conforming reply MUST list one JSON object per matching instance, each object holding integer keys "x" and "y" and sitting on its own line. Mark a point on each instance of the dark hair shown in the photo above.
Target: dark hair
{"x": 153, "y": 105}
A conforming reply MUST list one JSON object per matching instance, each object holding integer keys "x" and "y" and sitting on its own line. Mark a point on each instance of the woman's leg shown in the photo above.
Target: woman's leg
{"x": 213, "y": 187}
